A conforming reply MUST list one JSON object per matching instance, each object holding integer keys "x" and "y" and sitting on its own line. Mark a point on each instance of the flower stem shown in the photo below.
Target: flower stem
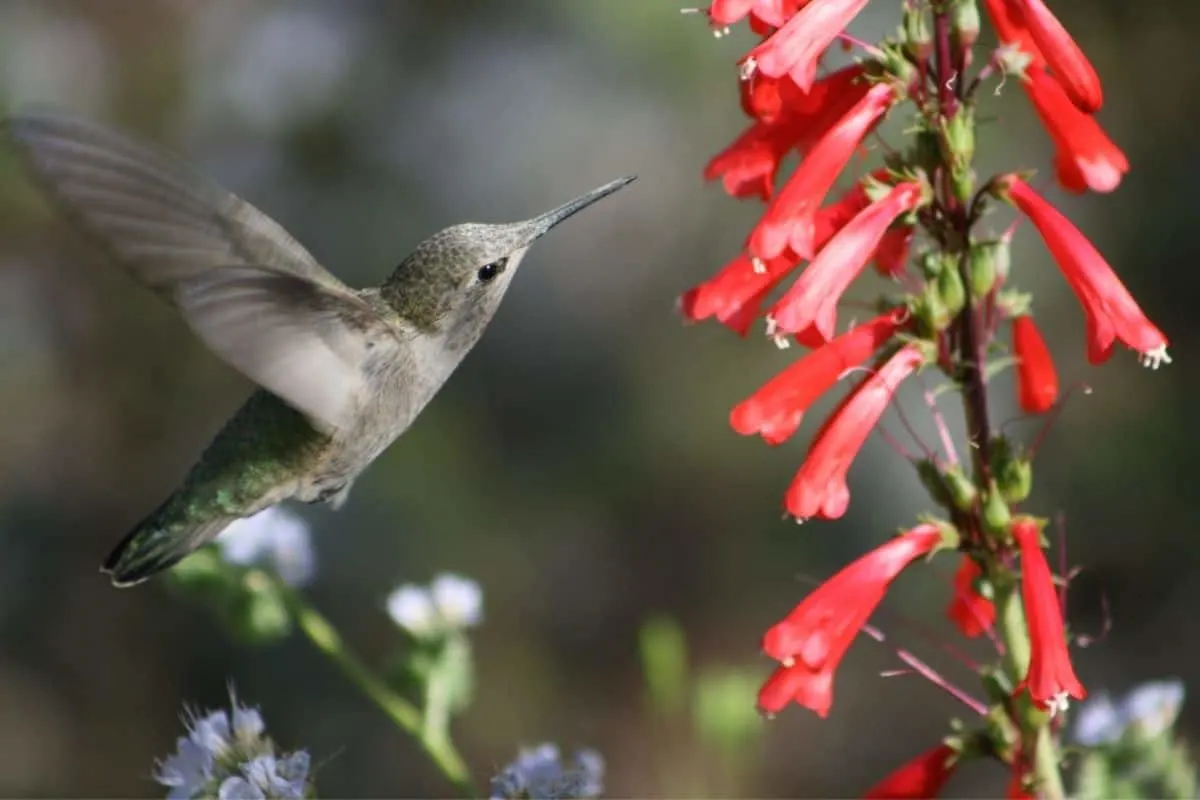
{"x": 406, "y": 715}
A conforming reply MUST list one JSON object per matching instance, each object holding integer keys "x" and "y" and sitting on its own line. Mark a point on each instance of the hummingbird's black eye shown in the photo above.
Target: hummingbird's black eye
{"x": 489, "y": 271}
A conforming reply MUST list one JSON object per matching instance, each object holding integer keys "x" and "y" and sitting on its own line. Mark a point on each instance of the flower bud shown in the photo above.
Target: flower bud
{"x": 1013, "y": 471}
{"x": 951, "y": 290}
{"x": 929, "y": 311}
{"x": 964, "y": 23}
{"x": 982, "y": 267}
{"x": 963, "y": 492}
{"x": 917, "y": 38}
{"x": 959, "y": 137}
{"x": 996, "y": 514}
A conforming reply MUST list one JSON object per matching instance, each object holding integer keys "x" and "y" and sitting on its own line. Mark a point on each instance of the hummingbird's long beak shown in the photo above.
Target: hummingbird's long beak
{"x": 541, "y": 225}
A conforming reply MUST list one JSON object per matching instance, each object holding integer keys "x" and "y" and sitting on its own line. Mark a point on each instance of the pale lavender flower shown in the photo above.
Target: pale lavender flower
{"x": 539, "y": 774}
{"x": 225, "y": 754}
{"x": 274, "y": 538}
{"x": 1151, "y": 707}
{"x": 412, "y": 609}
{"x": 450, "y": 603}
{"x": 1154, "y": 706}
{"x": 459, "y": 600}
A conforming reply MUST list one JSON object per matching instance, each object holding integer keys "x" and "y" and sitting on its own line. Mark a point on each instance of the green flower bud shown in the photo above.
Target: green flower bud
{"x": 916, "y": 35}
{"x": 964, "y": 23}
{"x": 951, "y": 290}
{"x": 1012, "y": 469}
{"x": 996, "y": 514}
{"x": 982, "y": 269}
{"x": 963, "y": 491}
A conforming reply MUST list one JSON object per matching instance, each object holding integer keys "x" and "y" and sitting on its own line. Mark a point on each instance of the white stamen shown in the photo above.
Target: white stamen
{"x": 788, "y": 662}
{"x": 747, "y": 69}
{"x": 1059, "y": 704}
{"x": 1154, "y": 358}
{"x": 758, "y": 265}
{"x": 782, "y": 341}
{"x": 772, "y": 325}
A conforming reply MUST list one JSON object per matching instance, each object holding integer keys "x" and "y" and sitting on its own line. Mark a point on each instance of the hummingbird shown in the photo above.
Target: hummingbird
{"x": 340, "y": 372}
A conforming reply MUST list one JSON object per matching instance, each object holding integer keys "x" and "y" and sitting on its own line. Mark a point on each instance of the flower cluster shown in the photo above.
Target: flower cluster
{"x": 918, "y": 218}
{"x": 451, "y": 602}
{"x": 538, "y": 773}
{"x": 226, "y": 754}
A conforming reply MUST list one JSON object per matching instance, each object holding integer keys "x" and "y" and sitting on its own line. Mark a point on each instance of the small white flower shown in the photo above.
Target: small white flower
{"x": 411, "y": 607}
{"x": 274, "y": 538}
{"x": 459, "y": 600}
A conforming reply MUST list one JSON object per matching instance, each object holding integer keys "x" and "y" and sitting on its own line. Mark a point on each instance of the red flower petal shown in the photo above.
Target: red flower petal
{"x": 1037, "y": 380}
{"x": 819, "y": 488}
{"x": 790, "y": 217}
{"x": 1050, "y": 678}
{"x": 1112, "y": 313}
{"x": 775, "y": 410}
{"x": 812, "y": 300}
{"x": 923, "y": 777}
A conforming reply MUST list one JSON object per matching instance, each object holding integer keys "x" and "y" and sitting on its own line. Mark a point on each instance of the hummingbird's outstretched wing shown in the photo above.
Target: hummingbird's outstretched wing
{"x": 247, "y": 288}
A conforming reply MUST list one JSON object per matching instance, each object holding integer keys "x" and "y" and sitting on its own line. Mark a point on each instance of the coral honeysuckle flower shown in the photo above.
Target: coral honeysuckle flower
{"x": 790, "y": 218}
{"x": 775, "y": 410}
{"x": 1085, "y": 158}
{"x": 1070, "y": 66}
{"x": 1051, "y": 678}
{"x": 923, "y": 777}
{"x": 797, "y": 46}
{"x": 1112, "y": 313}
{"x": 819, "y": 488}
{"x": 1037, "y": 379}
{"x": 812, "y": 300}
{"x": 810, "y": 642}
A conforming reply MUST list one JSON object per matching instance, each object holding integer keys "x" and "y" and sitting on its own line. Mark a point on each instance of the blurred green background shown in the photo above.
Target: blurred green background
{"x": 579, "y": 465}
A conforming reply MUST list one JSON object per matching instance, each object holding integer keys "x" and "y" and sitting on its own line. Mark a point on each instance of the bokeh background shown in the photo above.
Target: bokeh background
{"x": 579, "y": 464}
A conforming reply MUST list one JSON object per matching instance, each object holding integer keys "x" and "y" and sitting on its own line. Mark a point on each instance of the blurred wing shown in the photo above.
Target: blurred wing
{"x": 246, "y": 287}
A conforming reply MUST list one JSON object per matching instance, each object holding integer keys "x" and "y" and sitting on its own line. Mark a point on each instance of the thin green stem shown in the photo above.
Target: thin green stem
{"x": 1045, "y": 766}
{"x": 406, "y": 715}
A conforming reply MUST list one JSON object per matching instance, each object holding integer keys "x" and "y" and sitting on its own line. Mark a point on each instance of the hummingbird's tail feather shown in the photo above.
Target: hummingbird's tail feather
{"x": 152, "y": 547}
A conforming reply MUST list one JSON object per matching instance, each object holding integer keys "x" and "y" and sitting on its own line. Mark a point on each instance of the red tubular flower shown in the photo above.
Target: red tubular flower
{"x": 775, "y": 410}
{"x": 819, "y": 488}
{"x": 923, "y": 777}
{"x": 748, "y": 166}
{"x": 1051, "y": 678}
{"x": 1111, "y": 311}
{"x": 812, "y": 300}
{"x": 970, "y": 611}
{"x": 1064, "y": 56}
{"x": 1011, "y": 30}
{"x": 784, "y": 120}
{"x": 735, "y": 294}
{"x": 796, "y": 47}
{"x": 811, "y": 641}
{"x": 891, "y": 256}
{"x": 1037, "y": 380}
{"x": 1085, "y": 157}
{"x": 789, "y": 218}
{"x": 767, "y": 12}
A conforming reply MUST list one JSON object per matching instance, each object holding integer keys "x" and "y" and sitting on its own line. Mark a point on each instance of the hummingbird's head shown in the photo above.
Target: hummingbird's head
{"x": 452, "y": 284}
